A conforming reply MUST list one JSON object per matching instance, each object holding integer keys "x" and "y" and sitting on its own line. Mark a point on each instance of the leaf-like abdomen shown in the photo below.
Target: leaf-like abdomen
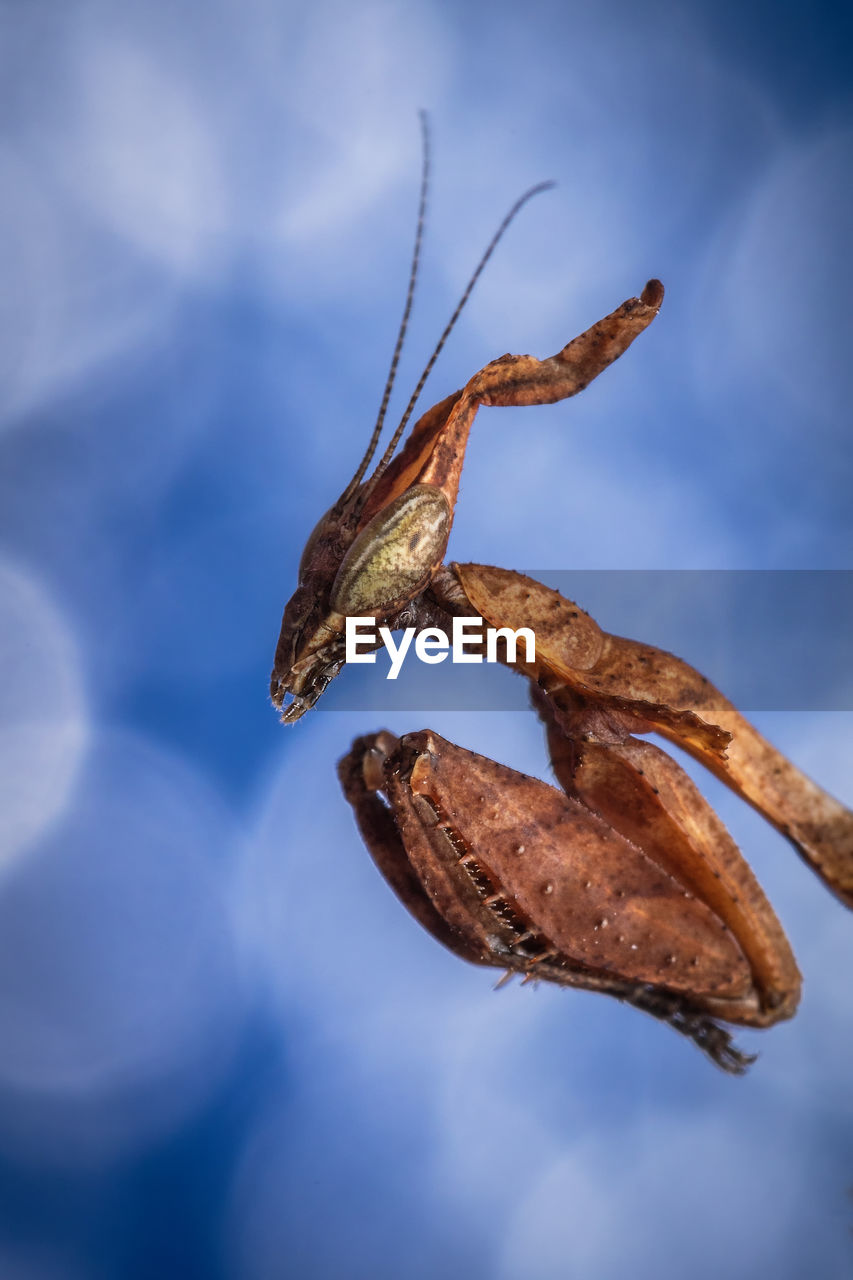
{"x": 596, "y": 898}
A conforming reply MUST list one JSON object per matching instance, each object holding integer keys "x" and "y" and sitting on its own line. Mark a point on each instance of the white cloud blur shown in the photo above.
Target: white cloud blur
{"x": 777, "y": 284}
{"x": 656, "y": 1194}
{"x": 257, "y": 166}
{"x": 121, "y": 995}
{"x": 44, "y": 716}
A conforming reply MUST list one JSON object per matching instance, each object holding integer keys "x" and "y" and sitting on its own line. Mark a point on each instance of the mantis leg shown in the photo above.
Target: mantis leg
{"x": 510, "y": 872}
{"x": 607, "y": 688}
{"x": 645, "y": 795}
{"x": 435, "y": 450}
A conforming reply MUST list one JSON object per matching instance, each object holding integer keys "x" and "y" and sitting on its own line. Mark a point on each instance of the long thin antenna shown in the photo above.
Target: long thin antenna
{"x": 404, "y": 323}
{"x": 393, "y": 442}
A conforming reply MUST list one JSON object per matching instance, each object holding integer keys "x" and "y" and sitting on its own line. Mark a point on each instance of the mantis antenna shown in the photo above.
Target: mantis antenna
{"x": 404, "y": 324}
{"x": 407, "y": 310}
{"x": 469, "y": 288}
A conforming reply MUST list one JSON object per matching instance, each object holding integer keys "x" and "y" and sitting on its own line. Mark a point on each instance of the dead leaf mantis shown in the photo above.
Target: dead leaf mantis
{"x": 623, "y": 880}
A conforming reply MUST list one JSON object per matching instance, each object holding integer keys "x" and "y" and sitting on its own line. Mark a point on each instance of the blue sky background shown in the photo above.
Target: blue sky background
{"x": 225, "y": 1049}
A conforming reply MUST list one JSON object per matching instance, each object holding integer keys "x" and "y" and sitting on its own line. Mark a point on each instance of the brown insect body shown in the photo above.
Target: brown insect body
{"x": 508, "y": 871}
{"x": 624, "y": 881}
{"x": 310, "y": 647}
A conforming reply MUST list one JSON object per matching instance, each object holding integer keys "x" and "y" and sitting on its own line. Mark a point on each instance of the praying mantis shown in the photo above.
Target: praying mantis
{"x": 622, "y": 879}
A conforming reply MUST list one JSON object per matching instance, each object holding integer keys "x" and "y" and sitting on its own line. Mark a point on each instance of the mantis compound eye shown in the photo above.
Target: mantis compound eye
{"x": 318, "y": 535}
{"x": 394, "y": 556}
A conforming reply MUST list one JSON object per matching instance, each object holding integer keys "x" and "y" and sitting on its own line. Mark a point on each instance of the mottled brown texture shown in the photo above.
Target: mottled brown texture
{"x": 566, "y": 637}
{"x": 625, "y": 881}
{"x": 310, "y": 648}
{"x": 604, "y": 687}
{"x": 395, "y": 555}
{"x": 507, "y": 871}
{"x": 610, "y": 907}
{"x": 644, "y": 794}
